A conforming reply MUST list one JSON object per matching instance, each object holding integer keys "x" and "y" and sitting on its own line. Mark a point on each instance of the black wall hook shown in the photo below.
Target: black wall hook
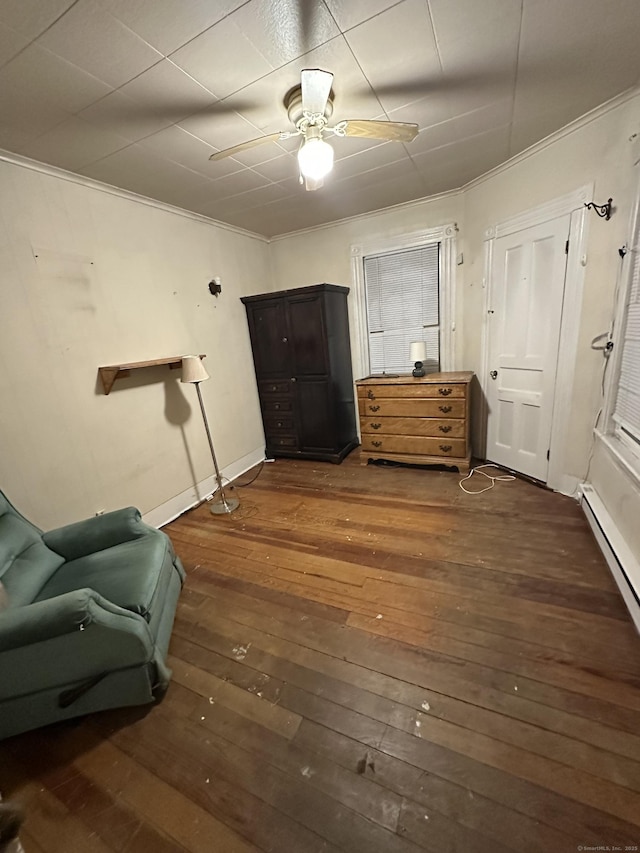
{"x": 601, "y": 209}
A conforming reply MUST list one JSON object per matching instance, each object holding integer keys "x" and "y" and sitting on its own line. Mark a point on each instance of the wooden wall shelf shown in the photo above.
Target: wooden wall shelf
{"x": 111, "y": 372}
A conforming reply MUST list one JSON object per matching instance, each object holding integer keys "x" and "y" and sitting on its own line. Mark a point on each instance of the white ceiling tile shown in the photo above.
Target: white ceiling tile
{"x": 140, "y": 171}
{"x": 125, "y": 117}
{"x": 575, "y": 54}
{"x": 165, "y": 89}
{"x": 174, "y": 143}
{"x": 169, "y": 24}
{"x": 95, "y": 41}
{"x": 74, "y": 144}
{"x": 41, "y": 78}
{"x": 461, "y": 127}
{"x": 467, "y": 158}
{"x": 372, "y": 158}
{"x": 245, "y": 201}
{"x": 395, "y": 47}
{"x": 349, "y": 13}
{"x": 220, "y": 130}
{"x": 235, "y": 184}
{"x": 11, "y": 43}
{"x": 222, "y": 59}
{"x": 279, "y": 169}
{"x": 32, "y": 17}
{"x": 285, "y": 29}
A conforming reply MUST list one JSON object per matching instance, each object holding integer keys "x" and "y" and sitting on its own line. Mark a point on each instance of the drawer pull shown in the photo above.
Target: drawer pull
{"x": 444, "y": 391}
{"x": 373, "y": 408}
{"x": 274, "y": 387}
{"x": 376, "y": 426}
{"x": 371, "y": 395}
{"x": 276, "y": 405}
{"x": 279, "y": 423}
{"x": 444, "y": 428}
{"x": 445, "y": 448}
{"x": 377, "y": 443}
{"x": 445, "y": 409}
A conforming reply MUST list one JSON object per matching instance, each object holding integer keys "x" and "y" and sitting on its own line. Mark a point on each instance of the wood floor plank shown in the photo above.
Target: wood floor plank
{"x": 365, "y": 658}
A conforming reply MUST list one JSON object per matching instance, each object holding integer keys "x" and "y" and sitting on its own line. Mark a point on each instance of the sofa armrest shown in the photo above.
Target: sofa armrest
{"x": 96, "y": 534}
{"x": 73, "y": 612}
{"x": 64, "y": 640}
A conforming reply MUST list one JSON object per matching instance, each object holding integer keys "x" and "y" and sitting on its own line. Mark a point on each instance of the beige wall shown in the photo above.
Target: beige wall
{"x": 116, "y": 280}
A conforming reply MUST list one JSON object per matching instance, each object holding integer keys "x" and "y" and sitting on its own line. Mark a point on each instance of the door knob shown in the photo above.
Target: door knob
{"x": 494, "y": 374}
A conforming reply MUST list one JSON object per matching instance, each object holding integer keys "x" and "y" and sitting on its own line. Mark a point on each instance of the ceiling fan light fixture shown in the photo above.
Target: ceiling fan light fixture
{"x": 315, "y": 158}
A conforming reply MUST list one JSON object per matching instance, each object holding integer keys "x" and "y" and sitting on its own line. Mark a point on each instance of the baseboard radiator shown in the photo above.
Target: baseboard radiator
{"x": 624, "y": 565}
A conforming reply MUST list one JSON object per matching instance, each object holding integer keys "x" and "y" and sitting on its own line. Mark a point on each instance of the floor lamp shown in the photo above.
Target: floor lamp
{"x": 193, "y": 371}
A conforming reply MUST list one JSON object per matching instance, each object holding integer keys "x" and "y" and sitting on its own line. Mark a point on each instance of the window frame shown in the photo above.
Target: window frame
{"x": 623, "y": 446}
{"x": 445, "y": 235}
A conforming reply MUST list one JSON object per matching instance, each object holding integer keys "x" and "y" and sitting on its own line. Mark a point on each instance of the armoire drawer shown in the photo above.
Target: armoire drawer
{"x": 274, "y": 423}
{"x": 274, "y": 386}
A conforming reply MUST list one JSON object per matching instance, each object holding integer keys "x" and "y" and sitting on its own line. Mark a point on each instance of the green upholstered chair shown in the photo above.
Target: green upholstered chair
{"x": 87, "y": 618}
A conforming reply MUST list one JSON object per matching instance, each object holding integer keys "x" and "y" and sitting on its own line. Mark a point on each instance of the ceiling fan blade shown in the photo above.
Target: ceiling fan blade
{"x": 397, "y": 130}
{"x": 244, "y": 146}
{"x": 316, "y": 86}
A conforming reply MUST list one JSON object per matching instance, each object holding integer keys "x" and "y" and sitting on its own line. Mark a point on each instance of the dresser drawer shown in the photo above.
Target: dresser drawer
{"x": 404, "y": 407}
{"x": 441, "y": 391}
{"x": 447, "y": 427}
{"x": 285, "y": 441}
{"x": 413, "y": 444}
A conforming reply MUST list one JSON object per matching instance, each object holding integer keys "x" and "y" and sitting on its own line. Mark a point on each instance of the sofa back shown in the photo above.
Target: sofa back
{"x": 26, "y": 563}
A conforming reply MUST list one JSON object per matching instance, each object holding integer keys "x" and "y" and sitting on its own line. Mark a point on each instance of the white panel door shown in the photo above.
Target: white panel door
{"x": 525, "y": 311}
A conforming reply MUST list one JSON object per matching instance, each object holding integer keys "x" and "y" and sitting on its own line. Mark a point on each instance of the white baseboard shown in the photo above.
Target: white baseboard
{"x": 624, "y": 565}
{"x": 174, "y": 507}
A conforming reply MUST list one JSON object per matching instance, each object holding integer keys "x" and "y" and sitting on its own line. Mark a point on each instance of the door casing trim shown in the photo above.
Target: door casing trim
{"x": 573, "y": 203}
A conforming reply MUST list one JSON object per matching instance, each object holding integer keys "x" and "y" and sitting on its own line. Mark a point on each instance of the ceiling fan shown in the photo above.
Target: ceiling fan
{"x": 309, "y": 107}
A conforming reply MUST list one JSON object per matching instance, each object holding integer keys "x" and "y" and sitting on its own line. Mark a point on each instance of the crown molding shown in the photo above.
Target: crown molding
{"x": 381, "y": 211}
{"x": 577, "y": 124}
{"x": 92, "y": 183}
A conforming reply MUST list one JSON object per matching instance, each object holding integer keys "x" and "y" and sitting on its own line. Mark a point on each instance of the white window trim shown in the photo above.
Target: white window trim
{"x": 443, "y": 234}
{"x": 622, "y": 447}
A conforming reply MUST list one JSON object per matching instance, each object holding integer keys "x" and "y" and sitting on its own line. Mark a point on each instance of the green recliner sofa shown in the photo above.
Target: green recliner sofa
{"x": 87, "y": 618}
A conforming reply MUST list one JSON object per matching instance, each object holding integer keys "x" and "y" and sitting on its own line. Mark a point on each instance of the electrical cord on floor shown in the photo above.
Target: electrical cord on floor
{"x": 252, "y": 480}
{"x": 503, "y": 478}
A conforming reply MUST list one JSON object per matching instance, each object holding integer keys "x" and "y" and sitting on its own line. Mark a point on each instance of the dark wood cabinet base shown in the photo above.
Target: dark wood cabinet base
{"x": 335, "y": 456}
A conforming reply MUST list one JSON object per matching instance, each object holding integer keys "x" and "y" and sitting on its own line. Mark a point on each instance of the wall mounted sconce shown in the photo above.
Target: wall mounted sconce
{"x": 603, "y": 210}
{"x": 215, "y": 288}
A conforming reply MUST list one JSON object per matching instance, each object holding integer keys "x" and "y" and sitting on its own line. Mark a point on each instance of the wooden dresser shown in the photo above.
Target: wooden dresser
{"x": 421, "y": 420}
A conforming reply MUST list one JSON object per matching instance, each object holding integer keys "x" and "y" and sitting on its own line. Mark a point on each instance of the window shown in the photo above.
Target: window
{"x": 626, "y": 413}
{"x": 402, "y": 305}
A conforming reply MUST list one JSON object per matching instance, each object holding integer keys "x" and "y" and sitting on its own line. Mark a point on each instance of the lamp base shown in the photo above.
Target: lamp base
{"x": 222, "y": 505}
{"x": 418, "y": 369}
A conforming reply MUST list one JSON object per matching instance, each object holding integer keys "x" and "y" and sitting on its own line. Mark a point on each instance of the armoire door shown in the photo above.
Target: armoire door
{"x": 306, "y": 322}
{"x": 270, "y": 338}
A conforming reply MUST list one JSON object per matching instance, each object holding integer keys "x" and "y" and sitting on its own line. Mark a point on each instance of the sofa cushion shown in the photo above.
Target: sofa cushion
{"x": 129, "y": 574}
{"x": 26, "y": 564}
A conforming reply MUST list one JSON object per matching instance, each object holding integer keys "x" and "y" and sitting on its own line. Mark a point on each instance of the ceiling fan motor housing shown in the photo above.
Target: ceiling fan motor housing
{"x": 293, "y": 104}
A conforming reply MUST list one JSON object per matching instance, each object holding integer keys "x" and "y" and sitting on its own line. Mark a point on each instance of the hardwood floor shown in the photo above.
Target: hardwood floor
{"x": 365, "y": 659}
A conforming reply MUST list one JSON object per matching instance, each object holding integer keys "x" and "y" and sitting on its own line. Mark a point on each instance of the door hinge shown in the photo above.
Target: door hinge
{"x": 566, "y": 248}
{"x": 548, "y": 454}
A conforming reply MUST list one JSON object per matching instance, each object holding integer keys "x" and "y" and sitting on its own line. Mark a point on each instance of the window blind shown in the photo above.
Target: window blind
{"x": 627, "y": 409}
{"x": 402, "y": 297}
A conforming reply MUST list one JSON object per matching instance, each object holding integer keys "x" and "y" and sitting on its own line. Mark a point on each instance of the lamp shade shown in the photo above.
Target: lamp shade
{"x": 315, "y": 158}
{"x": 418, "y": 351}
{"x": 193, "y": 369}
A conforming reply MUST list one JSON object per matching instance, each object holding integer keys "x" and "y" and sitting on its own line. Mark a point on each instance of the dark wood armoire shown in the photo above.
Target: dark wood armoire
{"x": 302, "y": 358}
